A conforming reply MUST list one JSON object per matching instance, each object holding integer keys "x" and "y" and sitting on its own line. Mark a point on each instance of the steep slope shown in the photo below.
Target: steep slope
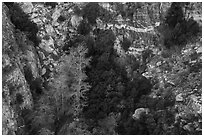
{"x": 20, "y": 73}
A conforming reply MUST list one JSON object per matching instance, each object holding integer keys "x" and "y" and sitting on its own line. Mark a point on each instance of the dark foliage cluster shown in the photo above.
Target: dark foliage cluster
{"x": 52, "y": 4}
{"x": 61, "y": 18}
{"x": 34, "y": 83}
{"x": 91, "y": 12}
{"x": 22, "y": 22}
{"x": 84, "y": 27}
{"x": 110, "y": 85}
{"x": 111, "y": 90}
{"x": 126, "y": 43}
{"x": 179, "y": 29}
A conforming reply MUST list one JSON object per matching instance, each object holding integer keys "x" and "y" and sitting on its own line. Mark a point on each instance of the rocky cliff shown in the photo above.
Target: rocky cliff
{"x": 20, "y": 73}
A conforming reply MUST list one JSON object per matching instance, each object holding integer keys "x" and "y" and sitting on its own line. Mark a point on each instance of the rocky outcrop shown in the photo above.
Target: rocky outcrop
{"x": 20, "y": 70}
{"x": 139, "y": 112}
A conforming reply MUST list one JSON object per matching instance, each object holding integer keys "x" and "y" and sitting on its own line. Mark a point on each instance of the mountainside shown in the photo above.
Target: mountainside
{"x": 101, "y": 68}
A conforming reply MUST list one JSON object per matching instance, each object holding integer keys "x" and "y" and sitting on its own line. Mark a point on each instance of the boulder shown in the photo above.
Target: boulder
{"x": 179, "y": 98}
{"x": 139, "y": 112}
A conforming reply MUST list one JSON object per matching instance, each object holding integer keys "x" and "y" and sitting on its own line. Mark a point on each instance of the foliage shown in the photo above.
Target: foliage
{"x": 78, "y": 63}
{"x": 22, "y": 22}
{"x": 178, "y": 29}
{"x": 43, "y": 117}
{"x": 107, "y": 73}
{"x": 84, "y": 27}
{"x": 110, "y": 86}
{"x": 69, "y": 87}
{"x": 9, "y": 123}
{"x": 63, "y": 104}
{"x": 177, "y": 78}
{"x": 91, "y": 12}
{"x": 74, "y": 128}
{"x": 126, "y": 44}
{"x": 52, "y": 4}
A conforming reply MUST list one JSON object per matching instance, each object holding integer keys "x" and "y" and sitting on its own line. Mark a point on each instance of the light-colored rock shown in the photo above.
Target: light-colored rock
{"x": 139, "y": 111}
{"x": 179, "y": 98}
{"x": 75, "y": 20}
{"x": 27, "y": 7}
{"x": 188, "y": 127}
{"x": 56, "y": 14}
{"x": 49, "y": 29}
{"x": 47, "y": 45}
{"x": 43, "y": 71}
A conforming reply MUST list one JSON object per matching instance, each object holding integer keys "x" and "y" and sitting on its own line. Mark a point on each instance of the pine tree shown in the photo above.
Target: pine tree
{"x": 78, "y": 63}
{"x": 70, "y": 85}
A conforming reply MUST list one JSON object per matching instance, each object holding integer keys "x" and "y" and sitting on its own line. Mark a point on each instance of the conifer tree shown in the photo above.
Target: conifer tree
{"x": 70, "y": 84}
{"x": 78, "y": 63}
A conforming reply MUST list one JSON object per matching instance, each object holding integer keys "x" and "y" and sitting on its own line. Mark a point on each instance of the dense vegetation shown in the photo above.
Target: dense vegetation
{"x": 101, "y": 86}
{"x": 22, "y": 22}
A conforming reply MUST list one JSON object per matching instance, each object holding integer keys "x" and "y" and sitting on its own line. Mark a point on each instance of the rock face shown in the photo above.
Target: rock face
{"x": 20, "y": 67}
